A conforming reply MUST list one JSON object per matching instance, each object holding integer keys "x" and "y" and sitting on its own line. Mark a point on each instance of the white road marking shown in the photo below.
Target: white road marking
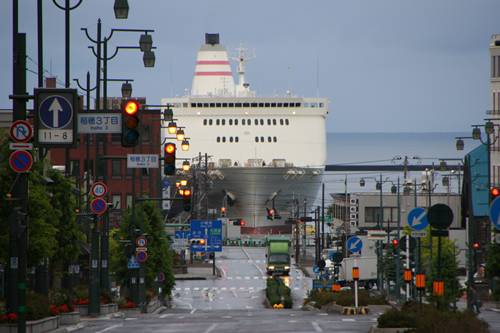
{"x": 316, "y": 326}
{"x": 256, "y": 278}
{"x": 193, "y": 311}
{"x": 211, "y": 328}
{"x": 322, "y": 314}
{"x": 110, "y": 328}
{"x": 227, "y": 317}
{"x": 223, "y": 288}
{"x": 187, "y": 289}
{"x": 247, "y": 277}
{"x": 166, "y": 315}
{"x": 181, "y": 317}
{"x": 229, "y": 277}
{"x": 196, "y": 288}
{"x": 238, "y": 278}
{"x": 232, "y": 288}
{"x": 130, "y": 318}
{"x": 292, "y": 321}
{"x": 348, "y": 319}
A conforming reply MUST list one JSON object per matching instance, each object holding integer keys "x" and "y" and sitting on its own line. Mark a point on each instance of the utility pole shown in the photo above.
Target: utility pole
{"x": 304, "y": 231}
{"x": 322, "y": 216}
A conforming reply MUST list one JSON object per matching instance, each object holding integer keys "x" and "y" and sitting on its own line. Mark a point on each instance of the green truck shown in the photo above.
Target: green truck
{"x": 278, "y": 256}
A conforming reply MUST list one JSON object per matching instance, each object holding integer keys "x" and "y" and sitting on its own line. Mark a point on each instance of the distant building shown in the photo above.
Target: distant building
{"x": 5, "y": 118}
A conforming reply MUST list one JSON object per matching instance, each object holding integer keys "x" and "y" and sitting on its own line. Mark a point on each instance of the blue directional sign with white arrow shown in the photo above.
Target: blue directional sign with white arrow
{"x": 354, "y": 244}
{"x": 55, "y": 117}
{"x": 417, "y": 219}
{"x": 495, "y": 213}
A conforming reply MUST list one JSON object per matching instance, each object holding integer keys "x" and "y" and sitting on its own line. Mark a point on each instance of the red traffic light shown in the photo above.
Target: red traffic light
{"x": 186, "y": 192}
{"x": 243, "y": 223}
{"x": 169, "y": 148}
{"x": 494, "y": 192}
{"x": 131, "y": 107}
{"x": 395, "y": 243}
{"x": 476, "y": 245}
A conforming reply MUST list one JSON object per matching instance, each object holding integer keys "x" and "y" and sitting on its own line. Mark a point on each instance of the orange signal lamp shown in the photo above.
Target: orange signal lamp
{"x": 187, "y": 192}
{"x": 438, "y": 288}
{"x": 495, "y": 192}
{"x": 355, "y": 273}
{"x": 395, "y": 243}
{"x": 407, "y": 276}
{"x": 420, "y": 281}
{"x": 169, "y": 148}
{"x": 177, "y": 184}
{"x": 336, "y": 288}
{"x": 132, "y": 107}
{"x": 243, "y": 223}
{"x": 202, "y": 242}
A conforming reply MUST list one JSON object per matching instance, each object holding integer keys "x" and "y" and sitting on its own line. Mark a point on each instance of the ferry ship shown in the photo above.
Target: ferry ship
{"x": 266, "y": 154}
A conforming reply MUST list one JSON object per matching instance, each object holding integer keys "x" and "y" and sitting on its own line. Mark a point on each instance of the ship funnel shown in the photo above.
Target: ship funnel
{"x": 213, "y": 75}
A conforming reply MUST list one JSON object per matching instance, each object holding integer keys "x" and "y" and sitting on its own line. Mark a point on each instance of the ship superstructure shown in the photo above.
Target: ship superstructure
{"x": 261, "y": 148}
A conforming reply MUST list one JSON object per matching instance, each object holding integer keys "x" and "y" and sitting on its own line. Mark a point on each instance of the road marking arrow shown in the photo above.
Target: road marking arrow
{"x": 55, "y": 108}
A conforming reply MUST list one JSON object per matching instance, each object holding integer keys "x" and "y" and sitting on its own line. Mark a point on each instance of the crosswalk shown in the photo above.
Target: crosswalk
{"x": 237, "y": 277}
{"x": 257, "y": 261}
{"x": 220, "y": 289}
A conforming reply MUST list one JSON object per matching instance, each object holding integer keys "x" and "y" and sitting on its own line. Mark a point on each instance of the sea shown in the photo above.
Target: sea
{"x": 390, "y": 149}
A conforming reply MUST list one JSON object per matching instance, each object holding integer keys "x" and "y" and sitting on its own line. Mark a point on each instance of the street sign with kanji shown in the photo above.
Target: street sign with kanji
{"x": 210, "y": 231}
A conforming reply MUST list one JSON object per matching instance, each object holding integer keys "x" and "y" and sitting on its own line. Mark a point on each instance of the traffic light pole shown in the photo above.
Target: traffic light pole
{"x": 398, "y": 259}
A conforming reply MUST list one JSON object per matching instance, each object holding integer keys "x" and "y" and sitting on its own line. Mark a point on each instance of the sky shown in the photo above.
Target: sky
{"x": 384, "y": 65}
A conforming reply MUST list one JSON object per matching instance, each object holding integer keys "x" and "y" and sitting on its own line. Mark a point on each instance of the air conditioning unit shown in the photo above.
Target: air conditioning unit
{"x": 353, "y": 209}
{"x": 354, "y": 202}
{"x": 353, "y": 216}
{"x": 353, "y": 224}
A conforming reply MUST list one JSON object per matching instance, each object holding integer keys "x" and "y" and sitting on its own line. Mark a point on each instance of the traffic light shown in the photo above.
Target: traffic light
{"x": 169, "y": 159}
{"x": 270, "y": 213}
{"x": 237, "y": 222}
{"x": 476, "y": 246}
{"x": 130, "y": 122}
{"x": 223, "y": 212}
{"x": 186, "y": 199}
{"x": 197, "y": 241}
{"x": 395, "y": 243}
{"x": 494, "y": 193}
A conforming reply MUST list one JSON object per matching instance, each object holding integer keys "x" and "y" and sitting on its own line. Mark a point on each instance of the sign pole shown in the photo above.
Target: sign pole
{"x": 356, "y": 287}
{"x": 407, "y": 265}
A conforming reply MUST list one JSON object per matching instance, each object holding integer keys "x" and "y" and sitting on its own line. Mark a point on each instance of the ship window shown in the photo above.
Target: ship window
{"x": 205, "y": 122}
{"x": 210, "y": 122}
{"x": 261, "y": 139}
{"x": 223, "y": 139}
{"x": 212, "y": 105}
{"x": 275, "y": 139}
{"x": 184, "y": 105}
{"x": 218, "y": 139}
{"x": 262, "y": 121}
{"x": 320, "y": 105}
{"x": 236, "y": 139}
{"x": 285, "y": 105}
{"x": 238, "y": 105}
{"x": 236, "y": 121}
{"x": 223, "y": 122}
{"x": 280, "y": 105}
{"x": 205, "y": 105}
{"x": 230, "y": 139}
{"x": 230, "y": 122}
{"x": 274, "y": 121}
{"x": 231, "y": 105}
{"x": 243, "y": 121}
{"x": 218, "y": 105}
{"x": 269, "y": 121}
{"x": 281, "y": 122}
{"x": 261, "y": 105}
{"x": 217, "y": 122}
{"x": 193, "y": 105}
{"x": 267, "y": 105}
{"x": 246, "y": 105}
{"x": 268, "y": 139}
{"x": 249, "y": 122}
{"x": 273, "y": 105}
{"x": 287, "y": 122}
{"x": 297, "y": 104}
{"x": 256, "y": 121}
{"x": 256, "y": 139}
{"x": 254, "y": 105}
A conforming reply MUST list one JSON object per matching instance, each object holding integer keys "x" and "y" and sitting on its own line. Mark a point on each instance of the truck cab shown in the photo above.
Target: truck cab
{"x": 278, "y": 256}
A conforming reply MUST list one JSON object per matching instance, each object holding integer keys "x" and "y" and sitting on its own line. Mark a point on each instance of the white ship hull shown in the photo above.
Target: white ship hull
{"x": 252, "y": 191}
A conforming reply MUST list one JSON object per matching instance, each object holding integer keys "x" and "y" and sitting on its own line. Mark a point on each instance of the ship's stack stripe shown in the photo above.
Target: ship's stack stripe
{"x": 213, "y": 73}
{"x": 212, "y": 62}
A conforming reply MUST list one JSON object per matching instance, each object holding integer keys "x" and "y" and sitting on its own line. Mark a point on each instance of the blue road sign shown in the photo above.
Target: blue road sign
{"x": 133, "y": 263}
{"x": 495, "y": 213}
{"x": 354, "y": 244}
{"x": 56, "y": 112}
{"x": 417, "y": 219}
{"x": 182, "y": 234}
{"x": 20, "y": 161}
{"x": 165, "y": 183}
{"x": 211, "y": 231}
{"x": 98, "y": 206}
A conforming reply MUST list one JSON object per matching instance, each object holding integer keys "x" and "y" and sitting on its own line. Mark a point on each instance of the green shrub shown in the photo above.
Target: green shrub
{"x": 277, "y": 292}
{"x": 37, "y": 306}
{"x": 396, "y": 318}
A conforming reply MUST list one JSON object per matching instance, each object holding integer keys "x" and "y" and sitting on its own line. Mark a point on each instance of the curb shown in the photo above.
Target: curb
{"x": 71, "y": 328}
{"x": 348, "y": 310}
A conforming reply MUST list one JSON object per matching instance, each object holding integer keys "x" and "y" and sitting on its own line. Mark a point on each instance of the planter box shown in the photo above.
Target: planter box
{"x": 82, "y": 309}
{"x": 109, "y": 308}
{"x": 375, "y": 329}
{"x": 34, "y": 326}
{"x": 69, "y": 318}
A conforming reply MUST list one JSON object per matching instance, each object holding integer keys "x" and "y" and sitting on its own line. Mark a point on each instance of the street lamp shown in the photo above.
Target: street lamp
{"x": 186, "y": 166}
{"x": 126, "y": 89}
{"x": 121, "y": 9}
{"x": 146, "y": 42}
{"x": 172, "y": 127}
{"x": 185, "y": 145}
{"x": 180, "y": 135}
{"x": 148, "y": 58}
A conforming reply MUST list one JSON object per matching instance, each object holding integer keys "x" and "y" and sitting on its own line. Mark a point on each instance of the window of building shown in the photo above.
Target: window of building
{"x": 246, "y": 105}
{"x": 274, "y": 122}
{"x": 146, "y": 134}
{"x": 210, "y": 122}
{"x": 256, "y": 121}
{"x": 116, "y": 200}
{"x": 224, "y": 105}
{"x": 74, "y": 168}
{"x": 287, "y": 122}
{"x": 223, "y": 139}
{"x": 267, "y": 105}
{"x": 261, "y": 139}
{"x": 145, "y": 172}
{"x": 116, "y": 138}
{"x": 372, "y": 215}
{"x": 89, "y": 167}
{"x": 193, "y": 105}
{"x": 249, "y": 122}
{"x": 212, "y": 105}
{"x": 236, "y": 139}
{"x": 205, "y": 121}
{"x": 129, "y": 172}
{"x": 275, "y": 139}
{"x": 281, "y": 121}
{"x": 230, "y": 122}
{"x": 243, "y": 121}
{"x": 236, "y": 122}
{"x": 280, "y": 105}
{"x": 199, "y": 105}
{"x": 116, "y": 168}
{"x": 262, "y": 121}
{"x": 254, "y": 105}
{"x": 218, "y": 105}
{"x": 261, "y": 105}
{"x": 256, "y": 139}
{"x": 285, "y": 105}
{"x": 223, "y": 122}
{"x": 205, "y": 105}
{"x": 297, "y": 105}
{"x": 230, "y": 139}
{"x": 269, "y": 139}
{"x": 269, "y": 121}
{"x": 273, "y": 105}
{"x": 218, "y": 139}
{"x": 238, "y": 105}
{"x": 100, "y": 167}
{"x": 129, "y": 201}
{"x": 231, "y": 105}
{"x": 217, "y": 122}
{"x": 493, "y": 66}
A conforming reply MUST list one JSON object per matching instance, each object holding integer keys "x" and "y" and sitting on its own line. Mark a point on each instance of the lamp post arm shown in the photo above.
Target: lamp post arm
{"x": 70, "y": 8}
{"x": 88, "y": 36}
{"x": 82, "y": 88}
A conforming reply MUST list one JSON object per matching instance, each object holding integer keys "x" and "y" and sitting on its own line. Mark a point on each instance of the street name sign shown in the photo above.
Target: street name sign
{"x": 20, "y": 161}
{"x": 94, "y": 123}
{"x": 21, "y": 131}
{"x": 55, "y": 117}
{"x": 143, "y": 161}
{"x": 495, "y": 213}
{"x": 211, "y": 231}
{"x": 354, "y": 244}
{"x": 99, "y": 189}
{"x": 418, "y": 234}
{"x": 417, "y": 219}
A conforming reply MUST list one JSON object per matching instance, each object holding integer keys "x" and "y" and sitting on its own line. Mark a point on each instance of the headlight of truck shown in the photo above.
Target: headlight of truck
{"x": 270, "y": 267}
{"x": 287, "y": 268}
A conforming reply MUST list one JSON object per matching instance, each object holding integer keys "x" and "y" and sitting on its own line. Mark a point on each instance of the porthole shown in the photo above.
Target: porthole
{"x": 268, "y": 139}
{"x": 256, "y": 139}
{"x": 287, "y": 122}
{"x": 262, "y": 121}
{"x": 256, "y": 121}
{"x": 205, "y": 122}
{"x": 243, "y": 121}
{"x": 261, "y": 139}
{"x": 236, "y": 139}
{"x": 269, "y": 121}
{"x": 275, "y": 139}
{"x": 210, "y": 122}
{"x": 274, "y": 122}
{"x": 281, "y": 122}
{"x": 236, "y": 122}
{"x": 217, "y": 122}
{"x": 249, "y": 122}
{"x": 212, "y": 105}
{"x": 218, "y": 139}
{"x": 230, "y": 122}
{"x": 223, "y": 121}
{"x": 230, "y": 139}
{"x": 223, "y": 139}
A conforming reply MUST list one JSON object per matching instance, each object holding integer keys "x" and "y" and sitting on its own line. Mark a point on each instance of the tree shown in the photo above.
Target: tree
{"x": 493, "y": 268}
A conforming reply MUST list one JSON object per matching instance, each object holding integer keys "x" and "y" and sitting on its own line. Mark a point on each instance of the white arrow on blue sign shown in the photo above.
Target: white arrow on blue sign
{"x": 354, "y": 244}
{"x": 495, "y": 213}
{"x": 56, "y": 112}
{"x": 417, "y": 219}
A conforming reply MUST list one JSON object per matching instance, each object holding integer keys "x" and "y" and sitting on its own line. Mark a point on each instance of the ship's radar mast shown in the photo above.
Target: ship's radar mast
{"x": 243, "y": 87}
